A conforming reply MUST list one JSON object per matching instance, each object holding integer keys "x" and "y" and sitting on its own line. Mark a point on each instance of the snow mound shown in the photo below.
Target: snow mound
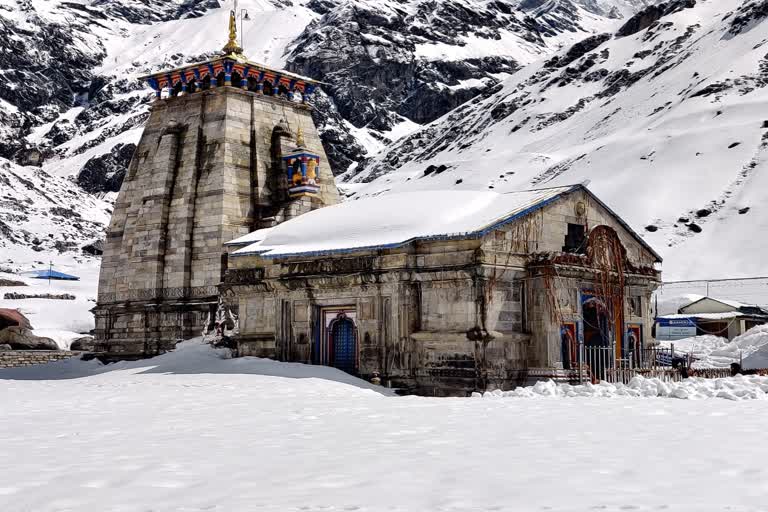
{"x": 708, "y": 351}
{"x": 733, "y": 388}
{"x": 193, "y": 357}
{"x": 750, "y": 349}
{"x": 754, "y": 344}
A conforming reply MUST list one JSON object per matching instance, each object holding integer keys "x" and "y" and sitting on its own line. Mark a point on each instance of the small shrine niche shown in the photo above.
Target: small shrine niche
{"x": 303, "y": 168}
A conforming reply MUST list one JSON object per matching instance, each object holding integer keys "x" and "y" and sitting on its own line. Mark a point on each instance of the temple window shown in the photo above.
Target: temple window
{"x": 575, "y": 240}
{"x": 220, "y": 79}
{"x": 236, "y": 79}
{"x": 269, "y": 89}
{"x": 206, "y": 83}
{"x": 176, "y": 90}
{"x": 282, "y": 90}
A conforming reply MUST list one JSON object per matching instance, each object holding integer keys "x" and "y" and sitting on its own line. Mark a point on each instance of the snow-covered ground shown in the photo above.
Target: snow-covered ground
{"x": 190, "y": 431}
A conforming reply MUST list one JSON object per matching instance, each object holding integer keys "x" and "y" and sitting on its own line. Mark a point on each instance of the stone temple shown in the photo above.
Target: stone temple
{"x": 229, "y": 215}
{"x": 209, "y": 168}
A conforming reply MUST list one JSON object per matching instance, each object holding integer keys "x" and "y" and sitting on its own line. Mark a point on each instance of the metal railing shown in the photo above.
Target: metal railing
{"x": 602, "y": 363}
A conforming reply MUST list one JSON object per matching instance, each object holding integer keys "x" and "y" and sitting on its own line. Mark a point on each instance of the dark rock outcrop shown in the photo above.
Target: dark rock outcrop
{"x": 105, "y": 173}
{"x": 651, "y": 15}
{"x": 95, "y": 248}
{"x": 21, "y": 296}
{"x": 578, "y": 50}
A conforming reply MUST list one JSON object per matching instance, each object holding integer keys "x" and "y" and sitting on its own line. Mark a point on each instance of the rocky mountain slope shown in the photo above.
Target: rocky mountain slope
{"x": 69, "y": 97}
{"x": 665, "y": 116}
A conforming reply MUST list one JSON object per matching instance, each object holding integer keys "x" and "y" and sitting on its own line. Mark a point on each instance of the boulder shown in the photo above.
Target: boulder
{"x": 84, "y": 344}
{"x": 12, "y": 282}
{"x": 20, "y": 338}
{"x": 13, "y": 318}
{"x": 5, "y": 348}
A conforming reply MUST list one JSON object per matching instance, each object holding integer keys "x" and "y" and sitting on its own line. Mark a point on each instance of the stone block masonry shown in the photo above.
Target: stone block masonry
{"x": 207, "y": 170}
{"x": 20, "y": 358}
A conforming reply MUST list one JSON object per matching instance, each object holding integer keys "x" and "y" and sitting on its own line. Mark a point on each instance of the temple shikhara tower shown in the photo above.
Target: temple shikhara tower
{"x": 230, "y": 147}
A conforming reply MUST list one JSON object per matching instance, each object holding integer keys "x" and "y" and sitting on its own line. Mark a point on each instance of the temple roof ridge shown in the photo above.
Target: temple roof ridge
{"x": 240, "y": 59}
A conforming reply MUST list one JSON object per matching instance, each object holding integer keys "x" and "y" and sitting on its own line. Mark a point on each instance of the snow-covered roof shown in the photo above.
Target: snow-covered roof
{"x": 396, "y": 219}
{"x": 729, "y": 303}
{"x": 250, "y": 238}
{"x": 703, "y": 316}
{"x": 732, "y": 303}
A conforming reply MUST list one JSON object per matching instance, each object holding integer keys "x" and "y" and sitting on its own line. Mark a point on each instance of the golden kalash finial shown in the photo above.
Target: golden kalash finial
{"x": 232, "y": 48}
{"x": 300, "y": 137}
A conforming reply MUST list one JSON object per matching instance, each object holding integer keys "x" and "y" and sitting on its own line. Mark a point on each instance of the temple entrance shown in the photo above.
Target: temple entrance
{"x": 596, "y": 321}
{"x": 343, "y": 341}
{"x": 599, "y": 352}
{"x": 336, "y": 345}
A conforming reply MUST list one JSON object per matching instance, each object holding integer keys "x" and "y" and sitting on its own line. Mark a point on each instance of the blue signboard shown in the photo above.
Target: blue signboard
{"x": 671, "y": 329}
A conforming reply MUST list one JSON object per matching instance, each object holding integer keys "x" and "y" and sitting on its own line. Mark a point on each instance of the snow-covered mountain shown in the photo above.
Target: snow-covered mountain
{"x": 666, "y": 117}
{"x": 69, "y": 94}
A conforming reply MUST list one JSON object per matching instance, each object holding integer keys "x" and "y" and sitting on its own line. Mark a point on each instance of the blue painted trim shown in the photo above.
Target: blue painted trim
{"x": 298, "y": 155}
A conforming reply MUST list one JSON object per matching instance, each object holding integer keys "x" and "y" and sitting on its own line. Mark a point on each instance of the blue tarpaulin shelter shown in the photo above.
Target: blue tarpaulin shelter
{"x": 54, "y": 275}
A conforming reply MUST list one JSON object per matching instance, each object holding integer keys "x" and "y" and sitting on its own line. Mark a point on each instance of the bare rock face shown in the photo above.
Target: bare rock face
{"x": 20, "y": 338}
{"x": 105, "y": 173}
{"x": 651, "y": 15}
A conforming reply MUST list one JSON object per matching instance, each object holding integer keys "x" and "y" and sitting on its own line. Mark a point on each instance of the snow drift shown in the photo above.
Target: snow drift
{"x": 734, "y": 388}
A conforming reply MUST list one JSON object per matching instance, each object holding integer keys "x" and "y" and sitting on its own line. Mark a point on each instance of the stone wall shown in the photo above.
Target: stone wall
{"x": 431, "y": 319}
{"x": 19, "y": 358}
